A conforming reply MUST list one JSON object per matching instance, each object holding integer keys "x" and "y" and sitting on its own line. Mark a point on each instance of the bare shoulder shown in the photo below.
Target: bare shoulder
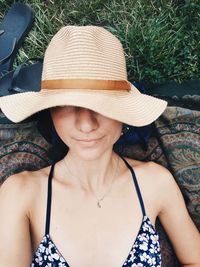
{"x": 22, "y": 186}
{"x": 157, "y": 184}
{"x": 151, "y": 167}
{"x": 23, "y": 179}
{"x": 155, "y": 174}
{"x": 18, "y": 197}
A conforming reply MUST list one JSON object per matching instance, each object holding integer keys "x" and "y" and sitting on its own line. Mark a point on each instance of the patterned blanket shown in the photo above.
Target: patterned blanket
{"x": 22, "y": 147}
{"x": 176, "y": 145}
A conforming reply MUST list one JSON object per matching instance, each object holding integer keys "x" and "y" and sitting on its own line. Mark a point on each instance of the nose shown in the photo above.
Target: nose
{"x": 86, "y": 120}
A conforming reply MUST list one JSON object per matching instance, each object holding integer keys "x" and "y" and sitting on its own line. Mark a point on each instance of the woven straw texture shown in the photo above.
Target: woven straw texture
{"x": 85, "y": 52}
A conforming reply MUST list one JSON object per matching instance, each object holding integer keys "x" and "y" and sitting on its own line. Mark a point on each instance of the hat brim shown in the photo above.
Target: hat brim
{"x": 130, "y": 107}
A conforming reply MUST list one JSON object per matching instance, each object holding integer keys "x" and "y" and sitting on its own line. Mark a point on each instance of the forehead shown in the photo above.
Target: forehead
{"x": 77, "y": 111}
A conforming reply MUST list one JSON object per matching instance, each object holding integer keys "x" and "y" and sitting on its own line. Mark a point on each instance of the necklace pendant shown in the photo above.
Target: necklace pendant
{"x": 98, "y": 204}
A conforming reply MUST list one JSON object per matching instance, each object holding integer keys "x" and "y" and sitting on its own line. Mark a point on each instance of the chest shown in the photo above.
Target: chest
{"x": 98, "y": 241}
{"x": 86, "y": 235}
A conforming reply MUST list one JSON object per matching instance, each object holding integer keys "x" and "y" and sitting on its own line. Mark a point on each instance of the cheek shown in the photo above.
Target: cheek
{"x": 60, "y": 125}
{"x": 114, "y": 131}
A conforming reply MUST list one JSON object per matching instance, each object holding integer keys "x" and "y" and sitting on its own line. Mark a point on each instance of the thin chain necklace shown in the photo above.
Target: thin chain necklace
{"x": 99, "y": 200}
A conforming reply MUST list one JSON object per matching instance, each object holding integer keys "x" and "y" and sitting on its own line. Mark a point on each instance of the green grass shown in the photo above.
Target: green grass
{"x": 161, "y": 40}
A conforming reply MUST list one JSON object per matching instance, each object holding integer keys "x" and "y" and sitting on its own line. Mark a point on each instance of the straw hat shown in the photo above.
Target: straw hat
{"x": 85, "y": 66}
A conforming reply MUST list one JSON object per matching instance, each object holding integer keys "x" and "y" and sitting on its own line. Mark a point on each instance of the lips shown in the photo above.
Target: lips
{"x": 89, "y": 141}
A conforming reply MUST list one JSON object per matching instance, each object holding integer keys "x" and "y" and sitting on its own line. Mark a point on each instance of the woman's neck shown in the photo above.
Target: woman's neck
{"x": 91, "y": 175}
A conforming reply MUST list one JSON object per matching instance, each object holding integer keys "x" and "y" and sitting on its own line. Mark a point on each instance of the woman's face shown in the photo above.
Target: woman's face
{"x": 87, "y": 134}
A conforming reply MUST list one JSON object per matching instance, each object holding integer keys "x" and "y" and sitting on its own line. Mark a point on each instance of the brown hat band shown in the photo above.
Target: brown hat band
{"x": 86, "y": 84}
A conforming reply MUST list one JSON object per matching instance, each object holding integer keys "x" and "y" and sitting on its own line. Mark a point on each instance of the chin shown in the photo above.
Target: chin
{"x": 90, "y": 154}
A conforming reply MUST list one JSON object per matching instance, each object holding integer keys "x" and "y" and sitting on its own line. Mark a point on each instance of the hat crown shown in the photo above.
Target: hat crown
{"x": 84, "y": 52}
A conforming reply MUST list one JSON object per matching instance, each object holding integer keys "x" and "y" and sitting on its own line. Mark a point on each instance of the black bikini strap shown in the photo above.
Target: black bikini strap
{"x": 136, "y": 186}
{"x": 49, "y": 193}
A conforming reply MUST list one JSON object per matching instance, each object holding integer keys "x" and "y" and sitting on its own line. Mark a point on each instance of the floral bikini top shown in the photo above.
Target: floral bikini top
{"x": 145, "y": 251}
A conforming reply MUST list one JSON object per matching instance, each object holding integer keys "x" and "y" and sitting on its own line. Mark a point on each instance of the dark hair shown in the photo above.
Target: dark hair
{"x": 46, "y": 127}
{"x": 131, "y": 135}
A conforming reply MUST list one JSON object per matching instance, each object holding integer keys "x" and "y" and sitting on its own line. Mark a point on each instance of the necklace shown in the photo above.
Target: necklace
{"x": 98, "y": 199}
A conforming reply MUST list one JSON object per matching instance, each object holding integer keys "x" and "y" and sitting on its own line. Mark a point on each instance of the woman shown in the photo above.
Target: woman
{"x": 93, "y": 207}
